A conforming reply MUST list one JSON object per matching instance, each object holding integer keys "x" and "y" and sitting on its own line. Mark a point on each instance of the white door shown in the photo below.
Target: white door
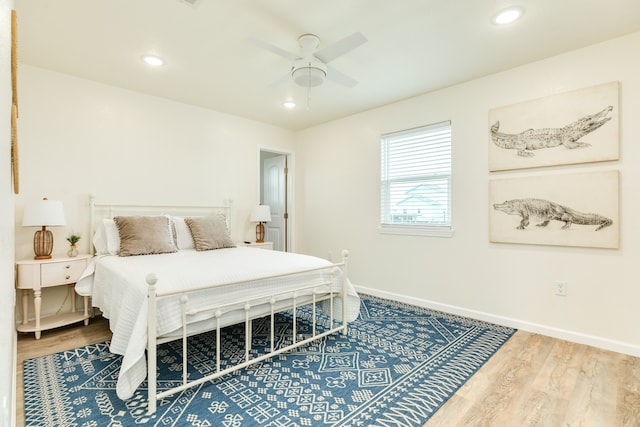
{"x": 274, "y": 194}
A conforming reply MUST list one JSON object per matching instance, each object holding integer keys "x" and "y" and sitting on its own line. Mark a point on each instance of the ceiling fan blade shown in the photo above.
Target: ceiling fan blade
{"x": 340, "y": 78}
{"x": 279, "y": 81}
{"x": 340, "y": 47}
{"x": 274, "y": 49}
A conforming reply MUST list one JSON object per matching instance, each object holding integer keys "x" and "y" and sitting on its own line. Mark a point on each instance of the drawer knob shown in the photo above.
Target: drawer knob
{"x": 68, "y": 266}
{"x": 67, "y": 277}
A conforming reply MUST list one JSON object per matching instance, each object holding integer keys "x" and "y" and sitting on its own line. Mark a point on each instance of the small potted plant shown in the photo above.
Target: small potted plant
{"x": 73, "y": 239}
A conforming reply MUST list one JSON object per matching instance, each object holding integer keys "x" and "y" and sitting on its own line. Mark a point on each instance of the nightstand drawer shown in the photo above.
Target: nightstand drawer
{"x": 57, "y": 273}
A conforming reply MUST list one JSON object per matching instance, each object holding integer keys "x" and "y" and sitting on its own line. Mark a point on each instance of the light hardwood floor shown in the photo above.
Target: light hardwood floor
{"x": 533, "y": 380}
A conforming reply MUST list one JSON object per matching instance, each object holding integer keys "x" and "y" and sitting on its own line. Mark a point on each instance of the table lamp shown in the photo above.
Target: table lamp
{"x": 260, "y": 214}
{"x": 43, "y": 213}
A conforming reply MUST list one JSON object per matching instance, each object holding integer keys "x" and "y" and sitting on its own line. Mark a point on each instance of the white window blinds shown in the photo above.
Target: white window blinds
{"x": 416, "y": 179}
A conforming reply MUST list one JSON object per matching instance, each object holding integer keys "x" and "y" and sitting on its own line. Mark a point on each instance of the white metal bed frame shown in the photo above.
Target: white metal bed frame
{"x": 305, "y": 295}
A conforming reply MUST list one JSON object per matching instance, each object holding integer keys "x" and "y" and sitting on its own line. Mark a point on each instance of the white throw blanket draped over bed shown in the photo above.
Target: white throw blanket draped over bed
{"x": 117, "y": 286}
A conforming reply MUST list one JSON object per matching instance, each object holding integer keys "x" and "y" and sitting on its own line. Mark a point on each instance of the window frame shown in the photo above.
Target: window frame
{"x": 435, "y": 230}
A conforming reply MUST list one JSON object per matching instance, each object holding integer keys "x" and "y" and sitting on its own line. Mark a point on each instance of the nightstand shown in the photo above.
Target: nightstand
{"x": 263, "y": 245}
{"x": 33, "y": 275}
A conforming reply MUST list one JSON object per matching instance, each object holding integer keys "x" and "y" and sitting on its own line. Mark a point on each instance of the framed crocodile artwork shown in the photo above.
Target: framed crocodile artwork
{"x": 580, "y": 126}
{"x": 578, "y": 209}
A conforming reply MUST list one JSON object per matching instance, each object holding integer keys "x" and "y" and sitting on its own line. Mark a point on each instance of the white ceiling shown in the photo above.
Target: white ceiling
{"x": 414, "y": 46}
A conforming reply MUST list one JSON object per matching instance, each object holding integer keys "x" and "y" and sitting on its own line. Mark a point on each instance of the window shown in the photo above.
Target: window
{"x": 416, "y": 181}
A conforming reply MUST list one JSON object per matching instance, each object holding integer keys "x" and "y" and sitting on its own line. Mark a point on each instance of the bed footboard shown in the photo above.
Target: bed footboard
{"x": 308, "y": 294}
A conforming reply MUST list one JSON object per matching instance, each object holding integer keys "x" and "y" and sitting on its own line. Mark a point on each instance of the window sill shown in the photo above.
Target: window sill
{"x": 417, "y": 231}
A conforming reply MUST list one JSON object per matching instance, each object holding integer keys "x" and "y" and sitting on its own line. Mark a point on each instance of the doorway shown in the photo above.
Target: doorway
{"x": 275, "y": 188}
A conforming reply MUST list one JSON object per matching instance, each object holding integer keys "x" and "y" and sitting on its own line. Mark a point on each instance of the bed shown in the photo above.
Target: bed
{"x": 166, "y": 272}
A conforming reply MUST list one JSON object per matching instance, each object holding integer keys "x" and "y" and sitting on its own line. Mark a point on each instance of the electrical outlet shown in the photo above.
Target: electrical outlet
{"x": 561, "y": 288}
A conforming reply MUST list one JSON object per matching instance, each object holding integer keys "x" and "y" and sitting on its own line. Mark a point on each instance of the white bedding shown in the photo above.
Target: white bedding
{"x": 117, "y": 286}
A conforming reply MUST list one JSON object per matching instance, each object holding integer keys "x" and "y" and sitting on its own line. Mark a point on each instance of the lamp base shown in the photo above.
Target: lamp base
{"x": 260, "y": 233}
{"x": 43, "y": 244}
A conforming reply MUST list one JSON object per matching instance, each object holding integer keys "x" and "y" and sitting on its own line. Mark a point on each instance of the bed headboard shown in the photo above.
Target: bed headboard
{"x": 101, "y": 210}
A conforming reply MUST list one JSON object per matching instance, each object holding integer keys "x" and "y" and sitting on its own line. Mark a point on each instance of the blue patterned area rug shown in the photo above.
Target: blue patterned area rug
{"x": 396, "y": 366}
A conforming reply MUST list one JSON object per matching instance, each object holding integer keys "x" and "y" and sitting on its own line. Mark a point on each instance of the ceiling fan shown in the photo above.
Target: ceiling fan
{"x": 309, "y": 67}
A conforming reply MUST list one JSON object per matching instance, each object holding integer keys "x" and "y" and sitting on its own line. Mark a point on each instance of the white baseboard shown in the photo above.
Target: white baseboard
{"x": 577, "y": 337}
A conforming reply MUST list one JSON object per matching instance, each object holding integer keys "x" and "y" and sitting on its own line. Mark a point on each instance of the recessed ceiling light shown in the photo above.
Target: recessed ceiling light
{"x": 507, "y": 16}
{"x": 153, "y": 60}
{"x": 289, "y": 104}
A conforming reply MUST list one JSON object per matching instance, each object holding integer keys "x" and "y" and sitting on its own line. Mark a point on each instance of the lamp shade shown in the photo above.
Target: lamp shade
{"x": 261, "y": 213}
{"x": 44, "y": 212}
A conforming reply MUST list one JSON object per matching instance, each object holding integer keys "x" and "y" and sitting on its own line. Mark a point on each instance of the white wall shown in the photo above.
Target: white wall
{"x": 338, "y": 193}
{"x": 7, "y": 294}
{"x": 79, "y": 137}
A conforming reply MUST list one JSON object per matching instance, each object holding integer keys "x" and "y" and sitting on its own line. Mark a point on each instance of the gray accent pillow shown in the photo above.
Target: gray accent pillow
{"x": 210, "y": 232}
{"x": 145, "y": 235}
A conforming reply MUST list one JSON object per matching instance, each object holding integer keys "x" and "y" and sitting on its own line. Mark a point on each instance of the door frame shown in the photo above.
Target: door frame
{"x": 290, "y": 188}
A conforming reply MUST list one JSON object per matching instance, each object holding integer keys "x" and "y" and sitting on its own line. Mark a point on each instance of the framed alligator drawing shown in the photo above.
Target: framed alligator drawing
{"x": 579, "y": 209}
{"x": 572, "y": 127}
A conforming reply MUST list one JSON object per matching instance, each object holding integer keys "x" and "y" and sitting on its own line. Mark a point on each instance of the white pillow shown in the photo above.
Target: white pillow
{"x": 100, "y": 240}
{"x": 112, "y": 236}
{"x": 184, "y": 239}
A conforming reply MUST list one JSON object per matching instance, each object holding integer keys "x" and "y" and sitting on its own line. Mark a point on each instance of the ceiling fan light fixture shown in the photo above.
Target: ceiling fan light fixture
{"x": 309, "y": 76}
{"x": 507, "y": 16}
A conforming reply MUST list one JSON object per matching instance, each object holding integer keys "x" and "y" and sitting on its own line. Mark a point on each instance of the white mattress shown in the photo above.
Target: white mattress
{"x": 117, "y": 286}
